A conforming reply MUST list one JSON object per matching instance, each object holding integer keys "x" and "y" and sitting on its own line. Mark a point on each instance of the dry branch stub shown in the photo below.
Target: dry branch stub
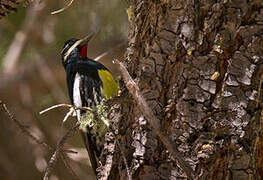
{"x": 153, "y": 121}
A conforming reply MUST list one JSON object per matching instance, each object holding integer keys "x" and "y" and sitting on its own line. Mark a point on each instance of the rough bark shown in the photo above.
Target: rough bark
{"x": 199, "y": 66}
{"x": 10, "y": 6}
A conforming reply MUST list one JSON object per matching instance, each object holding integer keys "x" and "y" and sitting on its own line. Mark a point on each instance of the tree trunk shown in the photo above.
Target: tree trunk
{"x": 199, "y": 66}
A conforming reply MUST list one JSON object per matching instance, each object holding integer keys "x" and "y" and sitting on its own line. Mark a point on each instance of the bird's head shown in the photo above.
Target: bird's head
{"x": 75, "y": 48}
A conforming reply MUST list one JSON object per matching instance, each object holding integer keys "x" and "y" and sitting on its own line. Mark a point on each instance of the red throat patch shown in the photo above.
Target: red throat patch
{"x": 83, "y": 51}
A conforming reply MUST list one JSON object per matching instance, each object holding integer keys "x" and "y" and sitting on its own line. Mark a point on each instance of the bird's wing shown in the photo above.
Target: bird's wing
{"x": 90, "y": 96}
{"x": 98, "y": 71}
{"x": 85, "y": 69}
{"x": 71, "y": 75}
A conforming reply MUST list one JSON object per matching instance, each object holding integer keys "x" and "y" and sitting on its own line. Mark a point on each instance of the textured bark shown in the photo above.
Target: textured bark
{"x": 10, "y": 6}
{"x": 199, "y": 66}
{"x": 7, "y": 6}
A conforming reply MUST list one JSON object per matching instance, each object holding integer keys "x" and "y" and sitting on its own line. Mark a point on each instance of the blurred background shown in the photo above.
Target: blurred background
{"x": 32, "y": 79}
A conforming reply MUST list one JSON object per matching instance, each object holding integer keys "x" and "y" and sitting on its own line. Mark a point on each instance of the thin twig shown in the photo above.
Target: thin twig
{"x": 24, "y": 128}
{"x": 64, "y": 158}
{"x": 65, "y": 105}
{"x": 109, "y": 51}
{"x": 153, "y": 121}
{"x": 29, "y": 134}
{"x": 55, "y": 106}
{"x": 58, "y": 150}
{"x": 70, "y": 113}
{"x": 69, "y": 151}
{"x": 63, "y": 9}
{"x": 14, "y": 52}
{"x": 59, "y": 147}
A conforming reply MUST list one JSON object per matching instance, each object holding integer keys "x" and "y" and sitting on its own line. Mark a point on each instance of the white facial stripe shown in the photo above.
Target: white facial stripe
{"x": 72, "y": 48}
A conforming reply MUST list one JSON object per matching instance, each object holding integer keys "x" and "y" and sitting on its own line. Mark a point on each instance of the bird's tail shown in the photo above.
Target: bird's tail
{"x": 91, "y": 148}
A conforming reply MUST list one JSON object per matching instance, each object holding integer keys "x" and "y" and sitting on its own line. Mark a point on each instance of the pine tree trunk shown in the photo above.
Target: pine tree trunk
{"x": 199, "y": 66}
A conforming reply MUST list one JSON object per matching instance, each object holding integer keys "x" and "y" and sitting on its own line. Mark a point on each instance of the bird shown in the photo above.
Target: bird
{"x": 89, "y": 83}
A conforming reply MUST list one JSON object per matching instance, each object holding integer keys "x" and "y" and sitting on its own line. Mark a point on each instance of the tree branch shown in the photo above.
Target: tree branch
{"x": 65, "y": 105}
{"x": 24, "y": 128}
{"x": 63, "y": 9}
{"x": 152, "y": 120}
{"x": 57, "y": 152}
{"x": 15, "y": 50}
{"x": 43, "y": 144}
{"x": 64, "y": 158}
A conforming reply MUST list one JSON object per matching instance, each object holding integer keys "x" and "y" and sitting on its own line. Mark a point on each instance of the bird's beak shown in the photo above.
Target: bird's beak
{"x": 80, "y": 42}
{"x": 85, "y": 40}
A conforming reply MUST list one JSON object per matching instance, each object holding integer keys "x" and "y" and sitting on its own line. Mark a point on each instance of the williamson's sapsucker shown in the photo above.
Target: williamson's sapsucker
{"x": 89, "y": 83}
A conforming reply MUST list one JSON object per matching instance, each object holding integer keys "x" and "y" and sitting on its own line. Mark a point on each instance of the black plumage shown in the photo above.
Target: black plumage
{"x": 78, "y": 65}
{"x": 88, "y": 70}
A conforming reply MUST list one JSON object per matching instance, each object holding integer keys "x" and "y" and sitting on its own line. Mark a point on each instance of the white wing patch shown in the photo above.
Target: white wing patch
{"x": 76, "y": 94}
